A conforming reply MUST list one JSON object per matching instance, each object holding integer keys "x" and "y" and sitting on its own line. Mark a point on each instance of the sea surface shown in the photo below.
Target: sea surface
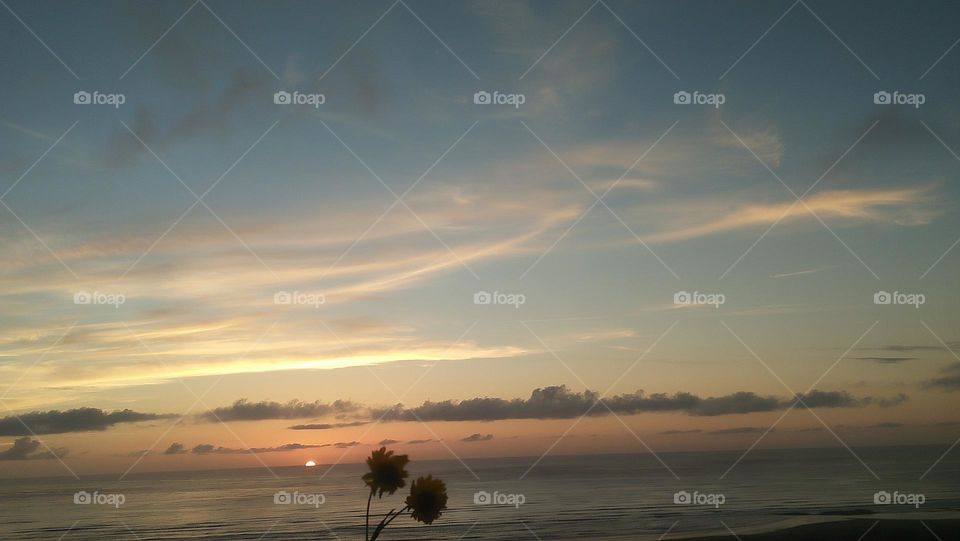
{"x": 563, "y": 497}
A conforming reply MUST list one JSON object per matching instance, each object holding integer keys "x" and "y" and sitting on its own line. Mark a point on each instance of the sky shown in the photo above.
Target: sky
{"x": 674, "y": 226}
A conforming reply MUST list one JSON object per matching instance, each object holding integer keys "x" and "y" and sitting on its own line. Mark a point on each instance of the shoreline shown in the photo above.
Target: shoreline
{"x": 878, "y": 528}
{"x": 869, "y": 527}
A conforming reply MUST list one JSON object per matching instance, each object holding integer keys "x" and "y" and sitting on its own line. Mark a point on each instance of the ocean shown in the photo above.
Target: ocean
{"x": 564, "y": 497}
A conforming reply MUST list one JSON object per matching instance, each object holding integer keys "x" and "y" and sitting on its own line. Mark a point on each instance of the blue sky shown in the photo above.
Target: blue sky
{"x": 304, "y": 199}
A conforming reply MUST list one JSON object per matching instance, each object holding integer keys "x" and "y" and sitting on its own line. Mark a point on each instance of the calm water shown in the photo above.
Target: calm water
{"x": 566, "y": 497}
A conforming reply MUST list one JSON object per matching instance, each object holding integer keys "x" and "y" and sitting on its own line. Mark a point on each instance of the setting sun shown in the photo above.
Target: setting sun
{"x": 519, "y": 269}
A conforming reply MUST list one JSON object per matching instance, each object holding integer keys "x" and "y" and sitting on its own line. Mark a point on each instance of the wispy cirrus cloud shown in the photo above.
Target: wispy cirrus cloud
{"x": 905, "y": 206}
{"x": 798, "y": 273}
{"x": 299, "y": 254}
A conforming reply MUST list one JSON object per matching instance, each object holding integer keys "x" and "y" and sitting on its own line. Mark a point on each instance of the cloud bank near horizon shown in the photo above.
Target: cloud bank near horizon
{"x": 552, "y": 402}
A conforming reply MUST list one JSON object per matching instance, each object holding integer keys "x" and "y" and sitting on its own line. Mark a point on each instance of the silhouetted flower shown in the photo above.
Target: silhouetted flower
{"x": 387, "y": 471}
{"x": 427, "y": 499}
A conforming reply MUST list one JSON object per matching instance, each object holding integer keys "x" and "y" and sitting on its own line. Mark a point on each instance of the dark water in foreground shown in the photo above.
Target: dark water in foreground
{"x": 565, "y": 497}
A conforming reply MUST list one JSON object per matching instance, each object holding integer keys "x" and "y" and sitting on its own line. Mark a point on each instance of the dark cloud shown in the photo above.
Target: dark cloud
{"x": 883, "y": 425}
{"x": 287, "y": 447}
{"x": 478, "y": 437}
{"x": 75, "y": 420}
{"x": 204, "y": 448}
{"x": 208, "y": 449}
{"x": 558, "y": 402}
{"x": 28, "y": 448}
{"x": 954, "y": 345}
{"x": 327, "y": 426}
{"x": 388, "y": 441}
{"x": 678, "y": 432}
{"x": 886, "y": 360}
{"x": 886, "y": 155}
{"x": 215, "y": 115}
{"x": 893, "y": 130}
{"x": 949, "y": 381}
{"x": 554, "y": 402}
{"x": 843, "y": 399}
{"x": 739, "y": 430}
{"x": 175, "y": 449}
{"x": 366, "y": 88}
{"x": 243, "y": 410}
{"x": 741, "y": 402}
{"x": 828, "y": 399}
{"x": 418, "y": 442}
{"x": 889, "y": 402}
{"x": 343, "y": 444}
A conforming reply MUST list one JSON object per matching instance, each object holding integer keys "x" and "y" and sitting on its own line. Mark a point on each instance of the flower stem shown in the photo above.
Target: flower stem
{"x": 366, "y": 530}
{"x": 383, "y": 523}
